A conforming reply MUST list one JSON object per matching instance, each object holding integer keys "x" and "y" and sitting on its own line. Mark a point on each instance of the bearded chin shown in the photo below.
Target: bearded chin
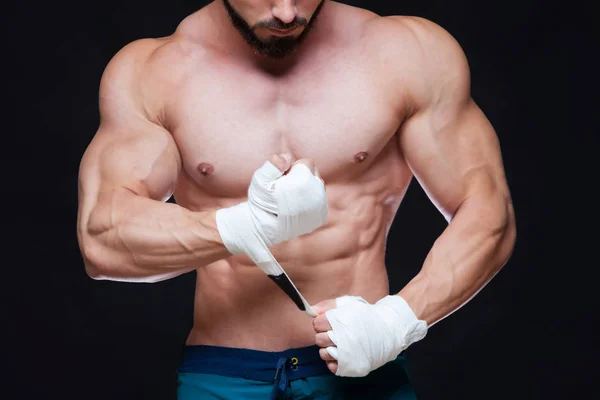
{"x": 278, "y": 48}
{"x": 275, "y": 47}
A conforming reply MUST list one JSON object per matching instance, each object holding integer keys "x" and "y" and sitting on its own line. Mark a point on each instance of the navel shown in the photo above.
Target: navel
{"x": 205, "y": 169}
{"x": 360, "y": 157}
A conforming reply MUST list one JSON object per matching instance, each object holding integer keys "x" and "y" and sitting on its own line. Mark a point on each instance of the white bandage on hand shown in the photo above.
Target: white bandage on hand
{"x": 279, "y": 208}
{"x": 367, "y": 336}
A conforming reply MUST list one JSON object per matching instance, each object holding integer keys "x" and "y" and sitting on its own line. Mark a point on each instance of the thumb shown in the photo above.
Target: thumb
{"x": 281, "y": 161}
{"x": 269, "y": 172}
{"x": 324, "y": 306}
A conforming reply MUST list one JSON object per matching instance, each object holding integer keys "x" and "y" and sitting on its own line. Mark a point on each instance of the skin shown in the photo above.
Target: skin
{"x": 372, "y": 101}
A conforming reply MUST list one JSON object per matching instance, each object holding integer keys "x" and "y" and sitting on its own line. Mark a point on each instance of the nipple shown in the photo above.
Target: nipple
{"x": 360, "y": 157}
{"x": 206, "y": 169}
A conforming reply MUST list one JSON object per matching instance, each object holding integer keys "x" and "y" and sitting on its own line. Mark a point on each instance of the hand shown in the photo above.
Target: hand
{"x": 322, "y": 326}
{"x": 285, "y": 201}
{"x": 293, "y": 195}
{"x": 357, "y": 337}
{"x": 283, "y": 162}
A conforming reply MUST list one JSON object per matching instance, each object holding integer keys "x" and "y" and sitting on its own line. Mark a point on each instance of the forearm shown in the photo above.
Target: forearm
{"x": 136, "y": 239}
{"x": 468, "y": 254}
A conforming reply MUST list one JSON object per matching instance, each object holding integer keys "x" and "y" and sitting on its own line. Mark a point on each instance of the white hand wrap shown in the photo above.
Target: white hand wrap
{"x": 279, "y": 208}
{"x": 369, "y": 335}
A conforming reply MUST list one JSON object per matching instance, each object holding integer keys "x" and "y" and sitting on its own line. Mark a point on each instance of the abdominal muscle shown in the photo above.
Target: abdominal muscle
{"x": 237, "y": 305}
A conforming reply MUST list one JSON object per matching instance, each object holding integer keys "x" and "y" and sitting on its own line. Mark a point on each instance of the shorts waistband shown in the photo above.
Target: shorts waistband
{"x": 253, "y": 364}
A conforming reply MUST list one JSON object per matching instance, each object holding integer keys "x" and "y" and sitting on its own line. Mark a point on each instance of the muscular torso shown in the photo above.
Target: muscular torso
{"x": 227, "y": 118}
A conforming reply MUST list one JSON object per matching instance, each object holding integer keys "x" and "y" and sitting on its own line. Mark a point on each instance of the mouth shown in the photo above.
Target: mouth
{"x": 282, "y": 32}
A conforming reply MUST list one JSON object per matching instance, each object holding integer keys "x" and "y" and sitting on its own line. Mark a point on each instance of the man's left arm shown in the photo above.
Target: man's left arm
{"x": 454, "y": 153}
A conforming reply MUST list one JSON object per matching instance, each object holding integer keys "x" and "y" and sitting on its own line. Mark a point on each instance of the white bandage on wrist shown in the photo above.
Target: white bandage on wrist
{"x": 279, "y": 208}
{"x": 368, "y": 336}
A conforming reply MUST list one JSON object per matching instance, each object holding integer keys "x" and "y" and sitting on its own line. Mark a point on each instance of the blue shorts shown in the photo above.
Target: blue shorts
{"x": 209, "y": 372}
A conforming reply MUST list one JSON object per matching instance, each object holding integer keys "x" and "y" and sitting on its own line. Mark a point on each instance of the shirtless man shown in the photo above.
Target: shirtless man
{"x": 362, "y": 101}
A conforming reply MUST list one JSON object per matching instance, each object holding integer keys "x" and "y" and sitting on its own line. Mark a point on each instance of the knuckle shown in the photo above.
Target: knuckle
{"x": 319, "y": 321}
{"x": 322, "y": 339}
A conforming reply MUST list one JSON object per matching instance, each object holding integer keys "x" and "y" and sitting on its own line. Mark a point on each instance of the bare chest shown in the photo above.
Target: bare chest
{"x": 229, "y": 121}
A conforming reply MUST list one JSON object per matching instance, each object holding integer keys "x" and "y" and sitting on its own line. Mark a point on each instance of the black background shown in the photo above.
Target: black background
{"x": 527, "y": 335}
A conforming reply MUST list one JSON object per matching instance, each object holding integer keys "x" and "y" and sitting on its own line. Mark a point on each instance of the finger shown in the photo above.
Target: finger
{"x": 324, "y": 306}
{"x": 316, "y": 172}
{"x": 318, "y": 176}
{"x": 332, "y": 366}
{"x": 333, "y": 352}
{"x": 281, "y": 161}
{"x": 321, "y": 323}
{"x": 308, "y": 162}
{"x": 325, "y": 355}
{"x": 323, "y": 340}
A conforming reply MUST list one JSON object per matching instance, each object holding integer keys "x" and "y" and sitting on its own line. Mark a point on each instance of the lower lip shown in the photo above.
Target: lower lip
{"x": 282, "y": 33}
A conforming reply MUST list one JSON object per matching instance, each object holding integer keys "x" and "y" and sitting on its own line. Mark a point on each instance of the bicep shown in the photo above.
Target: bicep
{"x": 448, "y": 142}
{"x": 144, "y": 162}
{"x": 141, "y": 158}
{"x": 454, "y": 153}
{"x": 129, "y": 151}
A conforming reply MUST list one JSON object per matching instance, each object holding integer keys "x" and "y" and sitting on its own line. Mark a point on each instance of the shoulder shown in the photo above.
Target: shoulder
{"x": 155, "y": 54}
{"x": 423, "y": 56}
{"x": 147, "y": 60}
{"x": 421, "y": 39}
{"x": 124, "y": 67}
{"x": 415, "y": 32}
{"x": 143, "y": 73}
{"x": 164, "y": 58}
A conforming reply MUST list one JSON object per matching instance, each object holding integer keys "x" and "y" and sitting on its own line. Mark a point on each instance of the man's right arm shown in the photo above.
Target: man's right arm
{"x": 126, "y": 231}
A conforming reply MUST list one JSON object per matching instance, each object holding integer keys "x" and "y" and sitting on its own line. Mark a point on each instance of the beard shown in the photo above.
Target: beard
{"x": 275, "y": 47}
